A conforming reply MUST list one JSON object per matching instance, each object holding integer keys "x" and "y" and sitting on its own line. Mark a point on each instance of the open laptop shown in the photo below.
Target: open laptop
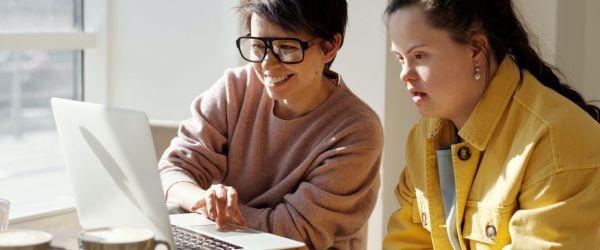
{"x": 111, "y": 162}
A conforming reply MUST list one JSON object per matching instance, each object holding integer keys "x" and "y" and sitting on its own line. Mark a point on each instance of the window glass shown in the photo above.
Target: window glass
{"x": 32, "y": 173}
{"x": 40, "y": 15}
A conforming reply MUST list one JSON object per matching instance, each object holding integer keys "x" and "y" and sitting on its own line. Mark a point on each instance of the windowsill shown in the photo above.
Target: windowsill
{"x": 57, "y": 218}
{"x": 42, "y": 210}
{"x": 66, "y": 40}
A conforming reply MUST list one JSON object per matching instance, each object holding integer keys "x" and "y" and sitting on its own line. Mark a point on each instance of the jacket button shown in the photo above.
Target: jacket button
{"x": 490, "y": 231}
{"x": 464, "y": 153}
{"x": 424, "y": 219}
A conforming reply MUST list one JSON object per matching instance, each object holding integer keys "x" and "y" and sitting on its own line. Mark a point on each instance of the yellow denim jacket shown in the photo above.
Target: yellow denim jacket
{"x": 527, "y": 173}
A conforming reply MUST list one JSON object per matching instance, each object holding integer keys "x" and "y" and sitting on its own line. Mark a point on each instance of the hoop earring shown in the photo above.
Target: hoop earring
{"x": 477, "y": 74}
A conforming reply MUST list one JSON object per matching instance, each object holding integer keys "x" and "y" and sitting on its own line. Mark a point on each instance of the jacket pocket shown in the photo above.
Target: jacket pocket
{"x": 486, "y": 226}
{"x": 420, "y": 211}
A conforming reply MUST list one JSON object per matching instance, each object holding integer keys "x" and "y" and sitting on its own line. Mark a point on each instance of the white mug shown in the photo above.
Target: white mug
{"x": 118, "y": 239}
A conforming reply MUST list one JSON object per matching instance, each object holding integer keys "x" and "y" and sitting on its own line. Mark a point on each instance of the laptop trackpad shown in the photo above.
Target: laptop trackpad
{"x": 228, "y": 231}
{"x": 198, "y": 222}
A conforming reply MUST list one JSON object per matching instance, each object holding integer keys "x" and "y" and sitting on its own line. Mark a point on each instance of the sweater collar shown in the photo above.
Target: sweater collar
{"x": 338, "y": 93}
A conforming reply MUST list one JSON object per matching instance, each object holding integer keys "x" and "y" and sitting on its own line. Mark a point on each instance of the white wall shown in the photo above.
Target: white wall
{"x": 541, "y": 22}
{"x": 591, "y": 61}
{"x": 361, "y": 58}
{"x": 570, "y": 45}
{"x": 568, "y": 37}
{"x": 162, "y": 54}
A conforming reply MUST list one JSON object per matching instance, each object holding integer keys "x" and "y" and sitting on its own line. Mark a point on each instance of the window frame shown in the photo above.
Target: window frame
{"x": 93, "y": 42}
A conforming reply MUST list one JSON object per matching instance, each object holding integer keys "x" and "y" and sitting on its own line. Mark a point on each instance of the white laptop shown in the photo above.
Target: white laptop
{"x": 110, "y": 158}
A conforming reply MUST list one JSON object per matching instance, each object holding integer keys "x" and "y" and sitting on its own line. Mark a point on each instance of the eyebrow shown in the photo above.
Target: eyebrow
{"x": 419, "y": 45}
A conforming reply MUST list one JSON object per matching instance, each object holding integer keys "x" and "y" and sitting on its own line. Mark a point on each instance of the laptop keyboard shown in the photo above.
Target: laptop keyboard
{"x": 187, "y": 239}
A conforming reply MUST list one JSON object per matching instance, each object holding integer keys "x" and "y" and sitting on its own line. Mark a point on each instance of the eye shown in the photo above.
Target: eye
{"x": 288, "y": 47}
{"x": 419, "y": 56}
{"x": 399, "y": 58}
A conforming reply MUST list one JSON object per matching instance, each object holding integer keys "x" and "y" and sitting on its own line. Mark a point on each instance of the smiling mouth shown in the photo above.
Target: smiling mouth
{"x": 276, "y": 80}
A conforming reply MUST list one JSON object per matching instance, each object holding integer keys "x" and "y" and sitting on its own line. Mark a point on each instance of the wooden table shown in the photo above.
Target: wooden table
{"x": 64, "y": 227}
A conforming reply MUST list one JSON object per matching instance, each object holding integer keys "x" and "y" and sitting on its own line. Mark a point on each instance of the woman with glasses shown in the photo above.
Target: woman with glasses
{"x": 281, "y": 144}
{"x": 505, "y": 156}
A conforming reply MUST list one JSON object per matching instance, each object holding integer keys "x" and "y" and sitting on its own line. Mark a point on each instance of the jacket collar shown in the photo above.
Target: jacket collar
{"x": 483, "y": 121}
{"x": 485, "y": 117}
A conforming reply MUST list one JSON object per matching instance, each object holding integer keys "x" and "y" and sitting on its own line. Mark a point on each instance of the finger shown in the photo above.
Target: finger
{"x": 199, "y": 206}
{"x": 237, "y": 217}
{"x": 236, "y": 220}
{"x": 240, "y": 219}
{"x": 221, "y": 202}
{"x": 232, "y": 198}
{"x": 242, "y": 222}
{"x": 210, "y": 199}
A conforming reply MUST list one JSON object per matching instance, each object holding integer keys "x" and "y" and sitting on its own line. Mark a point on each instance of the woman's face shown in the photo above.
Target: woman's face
{"x": 292, "y": 84}
{"x": 438, "y": 71}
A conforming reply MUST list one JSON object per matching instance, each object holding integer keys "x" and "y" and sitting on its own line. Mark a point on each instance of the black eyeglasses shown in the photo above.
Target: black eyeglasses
{"x": 286, "y": 50}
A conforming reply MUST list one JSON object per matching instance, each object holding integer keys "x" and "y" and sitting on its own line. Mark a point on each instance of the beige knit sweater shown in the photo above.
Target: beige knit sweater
{"x": 314, "y": 178}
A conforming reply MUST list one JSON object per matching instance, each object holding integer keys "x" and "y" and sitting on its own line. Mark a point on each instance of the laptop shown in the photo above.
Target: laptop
{"x": 111, "y": 162}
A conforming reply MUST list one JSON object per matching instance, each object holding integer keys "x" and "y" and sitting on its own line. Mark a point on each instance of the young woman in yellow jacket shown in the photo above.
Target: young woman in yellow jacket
{"x": 505, "y": 156}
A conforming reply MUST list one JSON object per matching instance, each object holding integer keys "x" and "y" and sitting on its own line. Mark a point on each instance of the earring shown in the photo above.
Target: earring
{"x": 477, "y": 74}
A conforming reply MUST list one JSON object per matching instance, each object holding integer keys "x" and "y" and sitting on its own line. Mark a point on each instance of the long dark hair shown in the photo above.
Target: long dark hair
{"x": 498, "y": 20}
{"x": 320, "y": 18}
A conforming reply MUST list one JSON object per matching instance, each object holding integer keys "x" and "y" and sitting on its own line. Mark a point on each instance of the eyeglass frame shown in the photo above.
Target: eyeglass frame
{"x": 304, "y": 45}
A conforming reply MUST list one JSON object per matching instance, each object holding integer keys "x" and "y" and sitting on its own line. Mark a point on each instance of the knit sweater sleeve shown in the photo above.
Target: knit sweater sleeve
{"x": 199, "y": 152}
{"x": 336, "y": 198}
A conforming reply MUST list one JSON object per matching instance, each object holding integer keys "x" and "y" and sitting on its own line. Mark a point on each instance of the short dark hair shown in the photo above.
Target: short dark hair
{"x": 320, "y": 18}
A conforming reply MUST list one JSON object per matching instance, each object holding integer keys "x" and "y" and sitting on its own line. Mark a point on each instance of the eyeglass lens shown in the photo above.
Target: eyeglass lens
{"x": 286, "y": 50}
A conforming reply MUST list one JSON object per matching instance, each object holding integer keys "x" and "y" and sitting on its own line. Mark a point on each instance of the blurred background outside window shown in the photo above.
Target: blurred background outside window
{"x": 32, "y": 172}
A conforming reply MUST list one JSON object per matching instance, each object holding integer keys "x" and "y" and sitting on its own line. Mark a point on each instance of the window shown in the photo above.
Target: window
{"x": 41, "y": 56}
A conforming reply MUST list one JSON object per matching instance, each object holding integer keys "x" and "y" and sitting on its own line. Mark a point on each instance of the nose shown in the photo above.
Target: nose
{"x": 269, "y": 59}
{"x": 408, "y": 74}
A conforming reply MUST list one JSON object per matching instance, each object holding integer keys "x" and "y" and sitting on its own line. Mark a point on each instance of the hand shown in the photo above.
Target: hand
{"x": 220, "y": 204}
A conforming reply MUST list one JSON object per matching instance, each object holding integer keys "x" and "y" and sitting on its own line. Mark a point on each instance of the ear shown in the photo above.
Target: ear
{"x": 480, "y": 46}
{"x": 331, "y": 47}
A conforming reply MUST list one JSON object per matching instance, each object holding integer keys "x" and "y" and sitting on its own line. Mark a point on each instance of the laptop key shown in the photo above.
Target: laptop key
{"x": 187, "y": 239}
